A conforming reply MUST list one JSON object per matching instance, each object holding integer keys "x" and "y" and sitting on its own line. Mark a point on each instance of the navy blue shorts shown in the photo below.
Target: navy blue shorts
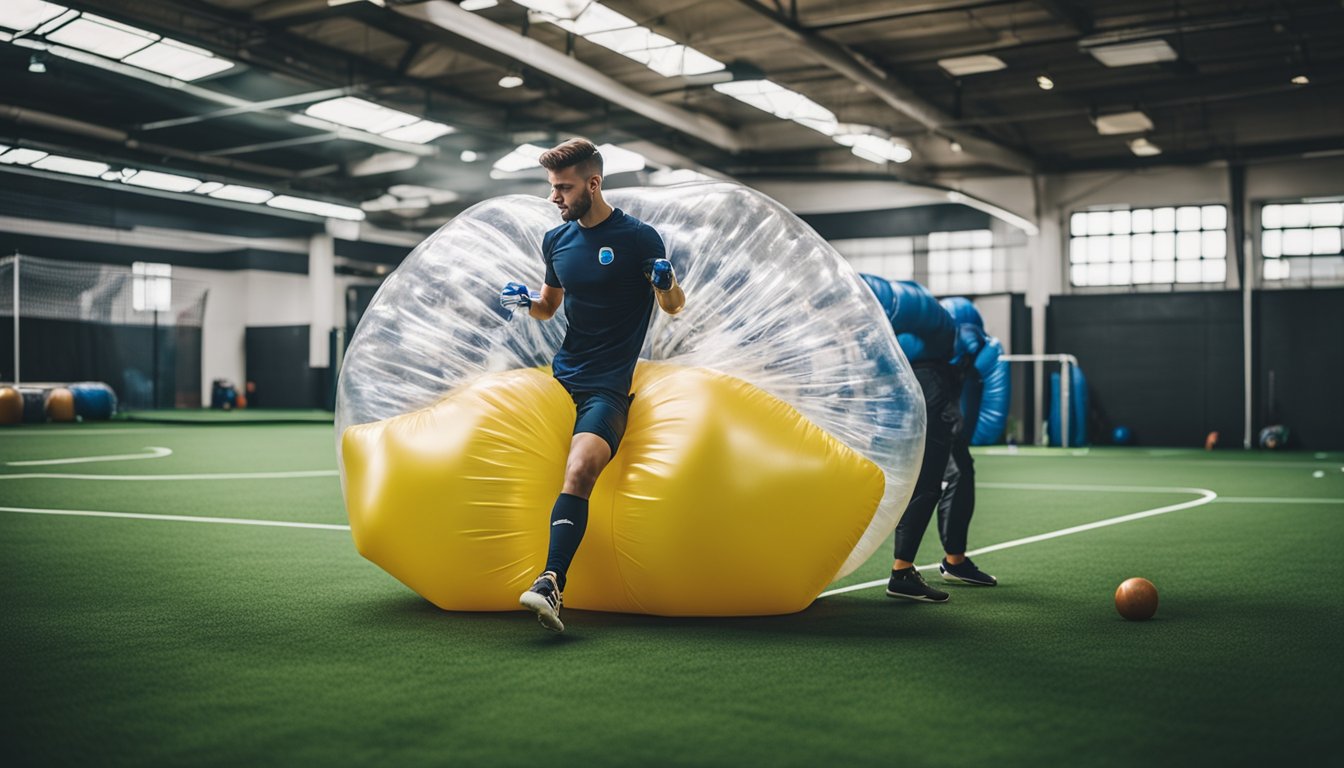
{"x": 602, "y": 414}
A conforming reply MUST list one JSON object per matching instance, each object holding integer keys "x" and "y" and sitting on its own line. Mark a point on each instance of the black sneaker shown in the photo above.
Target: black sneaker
{"x": 544, "y": 599}
{"x": 909, "y": 584}
{"x": 966, "y": 573}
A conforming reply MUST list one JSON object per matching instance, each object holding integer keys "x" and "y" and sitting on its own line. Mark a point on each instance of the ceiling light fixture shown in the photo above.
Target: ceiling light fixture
{"x": 1130, "y": 54}
{"x": 477, "y": 5}
{"x": 1300, "y": 80}
{"x": 1123, "y": 122}
{"x": 954, "y": 145}
{"x": 1044, "y": 82}
{"x": 37, "y": 64}
{"x": 510, "y": 81}
{"x": 873, "y": 144}
{"x": 971, "y": 65}
{"x": 469, "y": 156}
{"x": 1144, "y": 148}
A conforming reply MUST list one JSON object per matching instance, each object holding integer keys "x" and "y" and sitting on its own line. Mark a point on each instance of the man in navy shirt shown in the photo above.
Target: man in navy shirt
{"x": 608, "y": 268}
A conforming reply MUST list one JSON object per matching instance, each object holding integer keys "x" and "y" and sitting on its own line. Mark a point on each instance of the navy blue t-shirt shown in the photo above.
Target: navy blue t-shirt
{"x": 608, "y": 299}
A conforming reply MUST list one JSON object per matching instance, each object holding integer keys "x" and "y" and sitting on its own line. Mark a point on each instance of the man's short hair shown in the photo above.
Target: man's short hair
{"x": 575, "y": 153}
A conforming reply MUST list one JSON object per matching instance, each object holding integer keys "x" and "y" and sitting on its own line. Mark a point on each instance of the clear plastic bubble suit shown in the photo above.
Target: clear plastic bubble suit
{"x": 768, "y": 301}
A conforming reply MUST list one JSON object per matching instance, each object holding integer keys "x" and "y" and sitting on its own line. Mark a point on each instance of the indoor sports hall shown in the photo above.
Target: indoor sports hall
{"x": 680, "y": 382}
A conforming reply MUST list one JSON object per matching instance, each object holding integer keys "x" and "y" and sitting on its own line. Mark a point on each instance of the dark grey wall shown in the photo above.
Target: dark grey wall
{"x": 1299, "y": 342}
{"x": 1168, "y": 366}
{"x": 277, "y": 360}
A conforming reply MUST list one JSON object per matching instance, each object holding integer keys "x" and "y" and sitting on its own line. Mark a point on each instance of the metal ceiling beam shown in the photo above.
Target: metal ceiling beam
{"x": 890, "y": 90}
{"x": 873, "y": 17}
{"x": 463, "y": 24}
{"x": 1068, "y": 13}
{"x": 46, "y": 120}
{"x": 233, "y": 102}
{"x": 256, "y": 106}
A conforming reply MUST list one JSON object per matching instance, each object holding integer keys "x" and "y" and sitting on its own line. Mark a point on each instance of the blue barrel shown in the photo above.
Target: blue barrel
{"x": 94, "y": 400}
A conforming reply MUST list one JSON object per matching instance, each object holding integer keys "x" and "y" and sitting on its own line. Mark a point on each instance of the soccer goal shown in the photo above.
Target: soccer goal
{"x": 137, "y": 328}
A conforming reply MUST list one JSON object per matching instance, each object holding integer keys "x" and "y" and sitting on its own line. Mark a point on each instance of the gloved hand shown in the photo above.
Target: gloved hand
{"x": 661, "y": 276}
{"x": 515, "y": 296}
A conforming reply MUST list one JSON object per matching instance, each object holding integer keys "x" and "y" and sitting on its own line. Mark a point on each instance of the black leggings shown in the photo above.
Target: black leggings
{"x": 943, "y": 444}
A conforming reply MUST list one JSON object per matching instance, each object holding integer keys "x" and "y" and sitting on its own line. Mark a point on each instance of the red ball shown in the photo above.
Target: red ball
{"x": 1136, "y": 599}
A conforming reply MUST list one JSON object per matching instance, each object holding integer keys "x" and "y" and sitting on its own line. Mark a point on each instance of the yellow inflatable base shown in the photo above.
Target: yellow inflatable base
{"x": 722, "y": 500}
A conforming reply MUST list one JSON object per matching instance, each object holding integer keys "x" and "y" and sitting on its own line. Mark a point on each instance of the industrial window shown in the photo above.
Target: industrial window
{"x": 1302, "y": 240}
{"x": 961, "y": 262}
{"x": 889, "y": 257}
{"x": 151, "y": 287}
{"x": 1142, "y": 246}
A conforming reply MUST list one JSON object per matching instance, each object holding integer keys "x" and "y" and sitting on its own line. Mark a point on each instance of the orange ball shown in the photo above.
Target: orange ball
{"x": 1136, "y": 599}
{"x": 11, "y": 406}
{"x": 60, "y": 404}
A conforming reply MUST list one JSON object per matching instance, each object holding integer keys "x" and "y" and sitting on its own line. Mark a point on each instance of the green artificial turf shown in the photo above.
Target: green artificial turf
{"x": 141, "y": 642}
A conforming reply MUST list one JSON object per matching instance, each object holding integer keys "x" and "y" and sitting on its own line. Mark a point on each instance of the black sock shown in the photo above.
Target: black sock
{"x": 569, "y": 519}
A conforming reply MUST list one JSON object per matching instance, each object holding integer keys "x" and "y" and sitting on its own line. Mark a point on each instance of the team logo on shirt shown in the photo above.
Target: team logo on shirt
{"x": 605, "y": 255}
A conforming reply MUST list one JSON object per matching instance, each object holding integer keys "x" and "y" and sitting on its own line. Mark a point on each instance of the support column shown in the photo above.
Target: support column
{"x": 1044, "y": 266}
{"x": 321, "y": 289}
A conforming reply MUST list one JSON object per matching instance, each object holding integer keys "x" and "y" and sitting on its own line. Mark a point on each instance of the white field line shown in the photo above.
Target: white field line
{"x": 1065, "y": 453}
{"x": 174, "y": 518}
{"x": 168, "y": 478}
{"x": 1273, "y": 500}
{"x": 80, "y": 432}
{"x": 1205, "y": 496}
{"x": 156, "y": 452}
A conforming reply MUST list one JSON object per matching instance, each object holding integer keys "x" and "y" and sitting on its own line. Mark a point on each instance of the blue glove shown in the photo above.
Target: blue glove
{"x": 661, "y": 277}
{"x": 516, "y": 296}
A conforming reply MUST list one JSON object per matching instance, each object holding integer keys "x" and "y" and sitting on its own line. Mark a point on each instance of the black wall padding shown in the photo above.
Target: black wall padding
{"x": 1168, "y": 366}
{"x": 379, "y": 253}
{"x": 277, "y": 360}
{"x": 113, "y": 253}
{"x": 1021, "y": 374}
{"x": 120, "y": 355}
{"x": 1300, "y": 340}
{"x": 897, "y": 222}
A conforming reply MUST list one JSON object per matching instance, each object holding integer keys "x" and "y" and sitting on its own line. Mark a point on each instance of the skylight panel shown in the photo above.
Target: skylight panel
{"x": 697, "y": 63}
{"x": 241, "y": 194}
{"x": 520, "y": 159}
{"x": 102, "y": 36}
{"x": 875, "y": 149}
{"x": 597, "y": 18}
{"x": 633, "y": 39}
{"x": 617, "y": 32}
{"x": 560, "y": 9}
{"x": 361, "y": 114}
{"x": 620, "y": 160}
{"x": 316, "y": 207}
{"x": 21, "y": 156}
{"x": 781, "y": 102}
{"x": 71, "y": 165}
{"x": 420, "y": 132}
{"x": 26, "y": 14}
{"x": 178, "y": 60}
{"x": 169, "y": 182}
